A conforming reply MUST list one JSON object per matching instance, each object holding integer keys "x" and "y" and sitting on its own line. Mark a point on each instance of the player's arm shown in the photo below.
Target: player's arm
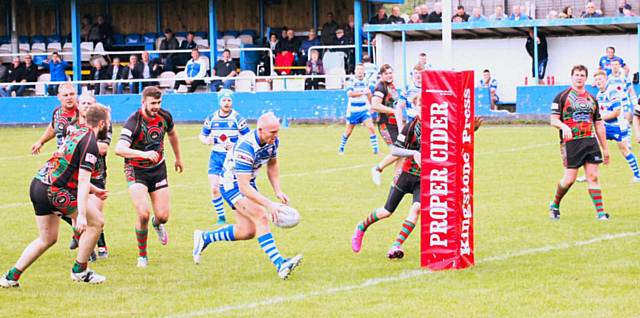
{"x": 273, "y": 173}
{"x": 204, "y": 134}
{"x": 602, "y": 140}
{"x": 84, "y": 188}
{"x": 399, "y": 112}
{"x": 376, "y": 105}
{"x": 401, "y": 146}
{"x": 557, "y": 123}
{"x": 48, "y": 134}
{"x": 175, "y": 145}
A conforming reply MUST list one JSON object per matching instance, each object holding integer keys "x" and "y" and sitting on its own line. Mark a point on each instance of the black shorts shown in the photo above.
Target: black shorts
{"x": 405, "y": 184}
{"x": 154, "y": 178}
{"x": 389, "y": 132}
{"x": 576, "y": 153}
{"x": 48, "y": 199}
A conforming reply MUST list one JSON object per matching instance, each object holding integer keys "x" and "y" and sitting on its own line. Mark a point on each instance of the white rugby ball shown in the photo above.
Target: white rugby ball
{"x": 288, "y": 217}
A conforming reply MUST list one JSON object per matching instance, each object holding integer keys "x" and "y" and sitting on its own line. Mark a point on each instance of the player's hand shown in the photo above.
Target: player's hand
{"x": 417, "y": 157}
{"x": 273, "y": 210}
{"x": 35, "y": 148}
{"x": 102, "y": 194}
{"x": 282, "y": 197}
{"x": 81, "y": 223}
{"x": 153, "y": 156}
{"x": 477, "y": 122}
{"x": 567, "y": 134}
{"x": 178, "y": 166}
{"x": 605, "y": 154}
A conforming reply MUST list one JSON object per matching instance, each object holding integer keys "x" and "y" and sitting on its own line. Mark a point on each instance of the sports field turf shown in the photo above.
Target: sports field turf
{"x": 527, "y": 265}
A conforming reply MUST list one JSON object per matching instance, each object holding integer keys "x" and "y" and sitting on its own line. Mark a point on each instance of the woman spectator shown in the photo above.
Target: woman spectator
{"x": 273, "y": 42}
{"x": 314, "y": 67}
{"x": 415, "y": 18}
{"x": 567, "y": 13}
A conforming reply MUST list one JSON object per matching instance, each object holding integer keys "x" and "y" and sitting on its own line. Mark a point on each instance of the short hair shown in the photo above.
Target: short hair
{"x": 195, "y": 49}
{"x": 366, "y": 58}
{"x": 191, "y": 33}
{"x": 612, "y": 48}
{"x": 578, "y": 68}
{"x": 67, "y": 85}
{"x": 95, "y": 114}
{"x": 600, "y": 72}
{"x": 423, "y": 54}
{"x": 384, "y": 68}
{"x": 226, "y": 51}
{"x": 151, "y": 91}
{"x": 55, "y": 53}
{"x": 359, "y": 65}
{"x": 87, "y": 96}
{"x": 616, "y": 60}
{"x": 168, "y": 30}
{"x": 460, "y": 7}
{"x": 486, "y": 70}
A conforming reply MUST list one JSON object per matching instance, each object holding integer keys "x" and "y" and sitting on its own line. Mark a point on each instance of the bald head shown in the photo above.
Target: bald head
{"x": 268, "y": 128}
{"x": 268, "y": 120}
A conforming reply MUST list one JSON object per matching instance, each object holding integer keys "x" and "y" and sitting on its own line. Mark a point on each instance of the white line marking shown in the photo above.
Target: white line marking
{"x": 515, "y": 149}
{"x": 400, "y": 277}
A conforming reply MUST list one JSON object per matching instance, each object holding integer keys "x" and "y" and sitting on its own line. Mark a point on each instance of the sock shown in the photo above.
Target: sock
{"x": 372, "y": 218}
{"x": 405, "y": 231}
{"x": 343, "y": 142}
{"x": 633, "y": 164}
{"x": 224, "y": 233}
{"x": 219, "y": 206}
{"x": 596, "y": 197}
{"x": 268, "y": 245}
{"x": 374, "y": 143}
{"x": 101, "y": 241}
{"x": 76, "y": 235}
{"x": 560, "y": 192}
{"x": 141, "y": 236}
{"x": 13, "y": 274}
{"x": 79, "y": 267}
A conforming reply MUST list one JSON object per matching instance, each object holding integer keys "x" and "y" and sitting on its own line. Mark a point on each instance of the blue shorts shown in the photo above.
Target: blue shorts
{"x": 358, "y": 118}
{"x": 216, "y": 161}
{"x": 232, "y": 194}
{"x": 615, "y": 133}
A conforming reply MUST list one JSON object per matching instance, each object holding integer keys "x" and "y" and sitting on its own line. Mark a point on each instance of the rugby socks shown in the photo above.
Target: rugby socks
{"x": 343, "y": 142}
{"x": 372, "y": 218}
{"x": 101, "y": 241}
{"x": 219, "y": 206}
{"x": 560, "y": 192}
{"x": 141, "y": 236}
{"x": 13, "y": 274}
{"x": 76, "y": 234}
{"x": 405, "y": 231}
{"x": 374, "y": 143}
{"x": 633, "y": 164}
{"x": 224, "y": 233}
{"x": 268, "y": 245}
{"x": 596, "y": 197}
{"x": 79, "y": 267}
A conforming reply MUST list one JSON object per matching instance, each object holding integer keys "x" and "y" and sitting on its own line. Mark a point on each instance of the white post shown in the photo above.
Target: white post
{"x": 447, "y": 47}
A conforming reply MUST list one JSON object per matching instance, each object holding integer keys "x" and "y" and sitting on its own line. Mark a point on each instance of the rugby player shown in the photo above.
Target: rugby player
{"x": 405, "y": 104}
{"x": 358, "y": 107}
{"x": 621, "y": 83}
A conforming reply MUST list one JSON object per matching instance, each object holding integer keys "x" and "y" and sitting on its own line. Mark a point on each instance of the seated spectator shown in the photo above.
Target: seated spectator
{"x": 460, "y": 15}
{"x": 283, "y": 61}
{"x": 314, "y": 67}
{"x": 226, "y": 68}
{"x": 553, "y": 14}
{"x": 622, "y": 5}
{"x": 169, "y": 43}
{"x": 57, "y": 66}
{"x": 101, "y": 31}
{"x": 14, "y": 72}
{"x": 424, "y": 12}
{"x": 196, "y": 71}
{"x": 517, "y": 14}
{"x": 311, "y": 40}
{"x": 415, "y": 18}
{"x": 395, "y": 17}
{"x": 131, "y": 72}
{"x": 148, "y": 69}
{"x": 476, "y": 15}
{"x": 492, "y": 84}
{"x": 379, "y": 18}
{"x": 97, "y": 73}
{"x": 85, "y": 28}
{"x": 567, "y": 13}
{"x": 498, "y": 14}
{"x": 29, "y": 73}
{"x": 436, "y": 15}
{"x": 283, "y": 32}
{"x": 628, "y": 13}
{"x": 114, "y": 73}
{"x": 605, "y": 62}
{"x": 4, "y": 89}
{"x": 188, "y": 44}
{"x": 590, "y": 11}
{"x": 273, "y": 42}
{"x": 329, "y": 29}
{"x": 289, "y": 43}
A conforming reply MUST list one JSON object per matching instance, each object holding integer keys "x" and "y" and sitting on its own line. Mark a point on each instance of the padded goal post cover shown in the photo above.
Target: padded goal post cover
{"x": 447, "y": 170}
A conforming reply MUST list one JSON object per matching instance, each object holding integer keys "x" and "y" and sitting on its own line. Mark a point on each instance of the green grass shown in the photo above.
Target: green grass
{"x": 516, "y": 172}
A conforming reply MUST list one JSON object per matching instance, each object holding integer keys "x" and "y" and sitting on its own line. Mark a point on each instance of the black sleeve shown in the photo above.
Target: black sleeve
{"x": 169, "y": 119}
{"x": 90, "y": 152}
{"x": 130, "y": 129}
{"x": 596, "y": 113}
{"x": 380, "y": 90}
{"x": 556, "y": 106}
{"x": 233, "y": 65}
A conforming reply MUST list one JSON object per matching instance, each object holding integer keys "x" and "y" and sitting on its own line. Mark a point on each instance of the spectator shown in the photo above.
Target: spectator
{"x": 350, "y": 31}
{"x": 380, "y": 18}
{"x": 605, "y": 61}
{"x": 476, "y": 15}
{"x": 553, "y": 14}
{"x": 590, "y": 11}
{"x": 436, "y": 15}
{"x": 567, "y": 13}
{"x": 57, "y": 67}
{"x": 340, "y": 39}
{"x": 289, "y": 43}
{"x": 196, "y": 71}
{"x": 460, "y": 15}
{"x": 517, "y": 14}
{"x": 224, "y": 68}
{"x": 188, "y": 44}
{"x": 492, "y": 84}
{"x": 314, "y": 67}
{"x": 422, "y": 61}
{"x": 328, "y": 29}
{"x": 101, "y": 31}
{"x": 622, "y": 5}
{"x": 148, "y": 69}
{"x": 131, "y": 72}
{"x": 4, "y": 78}
{"x": 15, "y": 72}
{"x": 628, "y": 13}
{"x": 85, "y": 28}
{"x": 543, "y": 55}
{"x": 311, "y": 40}
{"x": 169, "y": 43}
{"x": 29, "y": 74}
{"x": 395, "y": 17}
{"x": 273, "y": 42}
{"x": 424, "y": 13}
{"x": 97, "y": 74}
{"x": 415, "y": 18}
{"x": 114, "y": 72}
{"x": 498, "y": 14}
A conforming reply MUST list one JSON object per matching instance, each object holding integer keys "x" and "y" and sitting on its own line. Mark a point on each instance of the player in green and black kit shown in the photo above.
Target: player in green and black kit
{"x": 575, "y": 113}
{"x": 62, "y": 187}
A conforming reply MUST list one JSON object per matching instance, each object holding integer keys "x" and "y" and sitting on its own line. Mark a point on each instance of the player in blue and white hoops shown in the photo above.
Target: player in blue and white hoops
{"x": 221, "y": 129}
{"x": 615, "y": 122}
{"x": 621, "y": 83}
{"x": 404, "y": 107}
{"x": 358, "y": 109}
{"x": 252, "y": 209}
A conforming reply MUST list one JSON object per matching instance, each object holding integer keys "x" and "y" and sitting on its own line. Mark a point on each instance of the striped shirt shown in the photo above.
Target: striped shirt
{"x": 247, "y": 156}
{"x": 621, "y": 84}
{"x": 609, "y": 101}
{"x": 407, "y": 95}
{"x": 360, "y": 103}
{"x": 224, "y": 130}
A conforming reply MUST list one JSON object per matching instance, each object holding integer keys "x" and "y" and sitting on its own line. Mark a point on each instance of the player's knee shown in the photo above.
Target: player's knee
{"x": 143, "y": 218}
{"x": 262, "y": 220}
{"x": 215, "y": 191}
{"x": 49, "y": 240}
{"x": 245, "y": 232}
{"x": 382, "y": 213}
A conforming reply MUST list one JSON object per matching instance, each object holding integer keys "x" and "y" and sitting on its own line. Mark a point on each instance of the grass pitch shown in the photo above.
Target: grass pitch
{"x": 527, "y": 265}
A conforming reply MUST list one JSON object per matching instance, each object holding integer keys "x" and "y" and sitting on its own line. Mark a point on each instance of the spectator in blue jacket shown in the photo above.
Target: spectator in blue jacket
{"x": 57, "y": 66}
{"x": 312, "y": 40}
{"x": 517, "y": 14}
{"x": 476, "y": 15}
{"x": 196, "y": 71}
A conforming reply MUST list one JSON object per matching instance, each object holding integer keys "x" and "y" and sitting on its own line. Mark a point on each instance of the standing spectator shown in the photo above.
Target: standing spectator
{"x": 605, "y": 61}
{"x": 567, "y": 13}
{"x": 169, "y": 43}
{"x": 196, "y": 71}
{"x": 85, "y": 28}
{"x": 283, "y": 32}
{"x": 476, "y": 15}
{"x": 622, "y": 5}
{"x": 543, "y": 55}
{"x": 131, "y": 72}
{"x": 590, "y": 11}
{"x": 314, "y": 67}
{"x": 311, "y": 40}
{"x": 29, "y": 74}
{"x": 340, "y": 39}
{"x": 224, "y": 68}
{"x": 148, "y": 69}
{"x": 395, "y": 17}
{"x": 415, "y": 18}
{"x": 492, "y": 84}
{"x": 461, "y": 15}
{"x": 517, "y": 14}
{"x": 101, "y": 31}
{"x": 380, "y": 18}
{"x": 114, "y": 73}
{"x": 328, "y": 29}
{"x": 498, "y": 14}
{"x": 424, "y": 13}
{"x": 97, "y": 74}
{"x": 436, "y": 15}
{"x": 56, "y": 69}
{"x": 188, "y": 44}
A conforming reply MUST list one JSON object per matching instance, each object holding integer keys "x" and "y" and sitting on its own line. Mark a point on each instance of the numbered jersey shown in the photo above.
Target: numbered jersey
{"x": 247, "y": 156}
{"x": 224, "y": 130}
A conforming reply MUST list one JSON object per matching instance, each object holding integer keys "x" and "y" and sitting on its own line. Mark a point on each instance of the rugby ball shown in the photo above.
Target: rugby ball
{"x": 288, "y": 217}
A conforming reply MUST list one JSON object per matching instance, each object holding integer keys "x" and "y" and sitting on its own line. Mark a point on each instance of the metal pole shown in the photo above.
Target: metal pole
{"x": 213, "y": 35}
{"x": 535, "y": 55}
{"x": 314, "y": 13}
{"x": 14, "y": 31}
{"x": 369, "y": 44}
{"x": 261, "y": 13}
{"x": 447, "y": 47}
{"x": 7, "y": 19}
{"x": 404, "y": 59}
{"x": 75, "y": 40}
{"x": 158, "y": 16}
{"x": 638, "y": 44}
{"x": 357, "y": 26}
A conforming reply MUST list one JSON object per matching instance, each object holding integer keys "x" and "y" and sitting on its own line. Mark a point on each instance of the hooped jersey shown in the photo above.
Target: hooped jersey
{"x": 61, "y": 119}
{"x": 579, "y": 111}
{"x": 622, "y": 85}
{"x": 360, "y": 103}
{"x": 224, "y": 130}
{"x": 609, "y": 101}
{"x": 407, "y": 95}
{"x": 247, "y": 156}
{"x": 146, "y": 134}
